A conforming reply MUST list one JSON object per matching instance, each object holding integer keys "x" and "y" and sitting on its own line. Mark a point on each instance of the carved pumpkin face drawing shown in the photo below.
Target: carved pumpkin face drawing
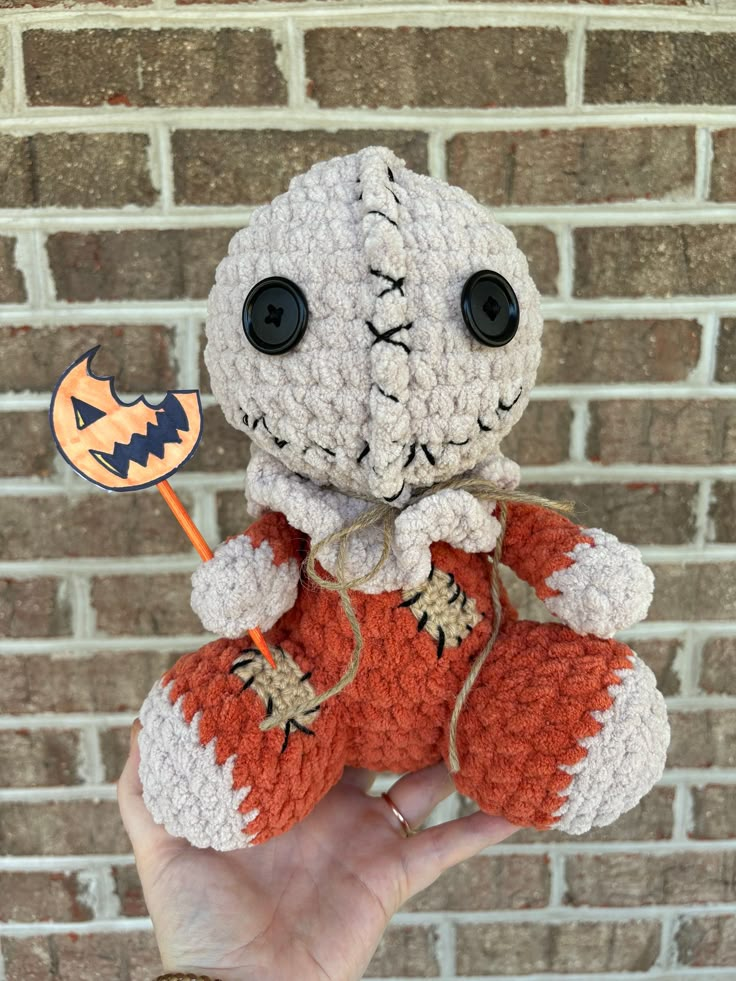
{"x": 118, "y": 445}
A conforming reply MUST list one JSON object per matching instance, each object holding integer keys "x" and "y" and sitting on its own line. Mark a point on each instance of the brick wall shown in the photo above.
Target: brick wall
{"x": 134, "y": 139}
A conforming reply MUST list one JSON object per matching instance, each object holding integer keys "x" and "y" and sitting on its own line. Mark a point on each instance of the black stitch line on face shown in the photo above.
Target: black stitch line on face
{"x": 393, "y": 195}
{"x": 485, "y": 429}
{"x": 431, "y": 572}
{"x": 249, "y": 682}
{"x": 385, "y": 394}
{"x": 393, "y": 498}
{"x": 453, "y": 442}
{"x": 364, "y": 452}
{"x": 325, "y": 450}
{"x": 422, "y": 622}
{"x": 440, "y": 642}
{"x": 428, "y": 454}
{"x": 411, "y": 600}
{"x": 412, "y": 454}
{"x": 269, "y": 706}
{"x": 245, "y": 419}
{"x": 306, "y": 677}
{"x": 287, "y": 730}
{"x": 396, "y": 284}
{"x": 374, "y": 212}
{"x": 301, "y": 728}
{"x": 508, "y": 408}
{"x": 453, "y": 598}
{"x": 388, "y": 334}
{"x": 391, "y": 175}
{"x": 281, "y": 443}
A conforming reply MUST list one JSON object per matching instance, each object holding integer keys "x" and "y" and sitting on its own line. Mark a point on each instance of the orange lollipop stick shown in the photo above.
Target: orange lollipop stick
{"x": 125, "y": 446}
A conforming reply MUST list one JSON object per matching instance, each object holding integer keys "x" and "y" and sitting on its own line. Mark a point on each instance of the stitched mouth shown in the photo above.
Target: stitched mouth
{"x": 171, "y": 419}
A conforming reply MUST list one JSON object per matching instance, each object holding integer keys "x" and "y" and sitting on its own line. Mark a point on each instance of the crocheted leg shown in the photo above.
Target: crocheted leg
{"x": 561, "y": 730}
{"x": 210, "y": 773}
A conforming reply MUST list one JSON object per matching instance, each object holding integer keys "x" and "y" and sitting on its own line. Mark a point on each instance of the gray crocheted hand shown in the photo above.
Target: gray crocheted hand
{"x": 242, "y": 587}
{"x": 302, "y": 905}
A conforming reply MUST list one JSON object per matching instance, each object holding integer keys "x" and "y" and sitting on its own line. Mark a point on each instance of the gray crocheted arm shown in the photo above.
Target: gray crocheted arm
{"x": 251, "y": 581}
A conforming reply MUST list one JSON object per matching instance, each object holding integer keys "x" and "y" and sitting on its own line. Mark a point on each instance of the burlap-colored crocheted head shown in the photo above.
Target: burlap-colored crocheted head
{"x": 387, "y": 390}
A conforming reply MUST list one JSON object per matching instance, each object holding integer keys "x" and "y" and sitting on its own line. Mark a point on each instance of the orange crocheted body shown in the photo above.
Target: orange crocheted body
{"x": 524, "y": 717}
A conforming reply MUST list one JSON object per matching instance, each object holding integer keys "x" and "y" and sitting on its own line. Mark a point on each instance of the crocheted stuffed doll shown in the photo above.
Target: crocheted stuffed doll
{"x": 376, "y": 334}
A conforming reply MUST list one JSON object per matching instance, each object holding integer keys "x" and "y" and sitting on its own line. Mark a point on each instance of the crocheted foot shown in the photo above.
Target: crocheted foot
{"x": 210, "y": 774}
{"x": 561, "y": 731}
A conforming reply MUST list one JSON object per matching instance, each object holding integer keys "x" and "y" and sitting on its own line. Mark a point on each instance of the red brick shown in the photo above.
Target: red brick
{"x": 129, "y": 890}
{"x": 37, "y": 896}
{"x": 539, "y": 245}
{"x": 723, "y": 512}
{"x": 713, "y": 810}
{"x": 726, "y": 364}
{"x": 407, "y": 952}
{"x": 12, "y": 284}
{"x": 82, "y": 957}
{"x": 488, "y": 882}
{"x": 658, "y": 66}
{"x": 660, "y": 655}
{"x": 707, "y": 941}
{"x": 222, "y": 447}
{"x": 75, "y": 170}
{"x": 144, "y": 605}
{"x": 640, "y": 880}
{"x": 704, "y": 738}
{"x": 140, "y": 357}
{"x": 28, "y": 450}
{"x": 115, "y": 747}
{"x": 39, "y": 757}
{"x": 74, "y": 827}
{"x": 58, "y": 3}
{"x": 33, "y": 608}
{"x": 27, "y": 959}
{"x": 529, "y": 948}
{"x": 416, "y": 66}
{"x": 530, "y": 167}
{"x": 607, "y": 351}
{"x": 692, "y": 591}
{"x": 226, "y": 167}
{"x": 152, "y": 68}
{"x": 542, "y": 436}
{"x": 723, "y": 166}
{"x": 96, "y": 525}
{"x": 655, "y": 260}
{"x": 662, "y": 431}
{"x": 643, "y": 514}
{"x": 232, "y": 517}
{"x": 137, "y": 264}
{"x": 116, "y": 682}
{"x": 718, "y": 666}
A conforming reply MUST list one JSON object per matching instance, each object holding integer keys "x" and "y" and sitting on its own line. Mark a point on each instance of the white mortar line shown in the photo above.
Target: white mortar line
{"x": 163, "y": 177}
{"x": 557, "y": 881}
{"x": 61, "y": 863}
{"x": 683, "y": 817}
{"x": 186, "y": 354}
{"x": 38, "y": 795}
{"x": 562, "y": 914}
{"x": 696, "y": 974}
{"x": 293, "y": 64}
{"x": 132, "y": 924}
{"x": 83, "y": 614}
{"x": 579, "y": 430}
{"x": 575, "y": 64}
{"x": 668, "y": 951}
{"x": 15, "y": 80}
{"x": 566, "y": 260}
{"x": 703, "y": 161}
{"x": 444, "y": 948}
{"x": 706, "y": 367}
{"x": 437, "y": 156}
{"x": 702, "y": 509}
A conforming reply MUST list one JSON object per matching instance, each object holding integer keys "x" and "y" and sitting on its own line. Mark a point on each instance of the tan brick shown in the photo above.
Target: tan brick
{"x": 722, "y": 513}
{"x": 74, "y": 827}
{"x": 539, "y": 245}
{"x": 140, "y": 605}
{"x": 718, "y": 666}
{"x": 660, "y": 655}
{"x": 115, "y": 747}
{"x": 33, "y": 896}
{"x": 726, "y": 364}
{"x": 28, "y": 450}
{"x": 707, "y": 941}
{"x": 713, "y": 810}
{"x": 658, "y": 66}
{"x": 137, "y": 264}
{"x": 33, "y": 608}
{"x": 140, "y": 357}
{"x": 129, "y": 890}
{"x": 704, "y": 738}
{"x": 252, "y": 166}
{"x": 488, "y": 882}
{"x": 222, "y": 447}
{"x": 607, "y": 351}
{"x": 142, "y": 957}
{"x": 662, "y": 431}
{"x": 92, "y": 3}
{"x": 232, "y": 517}
{"x": 542, "y": 436}
{"x": 152, "y": 68}
{"x": 573, "y": 166}
{"x": 416, "y": 66}
{"x": 723, "y": 166}
{"x": 12, "y": 284}
{"x": 97, "y": 525}
{"x": 27, "y": 958}
{"x": 641, "y": 880}
{"x": 692, "y": 591}
{"x": 655, "y": 260}
{"x": 643, "y": 514}
{"x": 75, "y": 170}
{"x": 650, "y": 820}
{"x": 82, "y": 957}
{"x": 39, "y": 757}
{"x": 406, "y": 952}
{"x": 116, "y": 682}
{"x": 528, "y": 948}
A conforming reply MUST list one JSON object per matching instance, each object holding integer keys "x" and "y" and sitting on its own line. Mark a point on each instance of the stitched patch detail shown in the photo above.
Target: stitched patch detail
{"x": 442, "y": 609}
{"x": 281, "y": 689}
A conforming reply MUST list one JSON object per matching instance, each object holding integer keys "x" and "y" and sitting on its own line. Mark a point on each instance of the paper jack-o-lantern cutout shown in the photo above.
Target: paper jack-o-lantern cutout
{"x": 118, "y": 445}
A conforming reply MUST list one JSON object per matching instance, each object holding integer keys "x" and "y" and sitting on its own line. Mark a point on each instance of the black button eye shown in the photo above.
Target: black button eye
{"x": 275, "y": 315}
{"x": 490, "y": 308}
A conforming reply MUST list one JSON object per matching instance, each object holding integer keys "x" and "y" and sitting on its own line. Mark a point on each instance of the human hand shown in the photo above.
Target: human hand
{"x": 309, "y": 904}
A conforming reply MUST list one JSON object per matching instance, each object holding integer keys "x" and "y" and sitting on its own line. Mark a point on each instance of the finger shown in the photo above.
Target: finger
{"x": 362, "y": 779}
{"x": 145, "y": 835}
{"x": 417, "y": 794}
{"x": 429, "y": 854}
